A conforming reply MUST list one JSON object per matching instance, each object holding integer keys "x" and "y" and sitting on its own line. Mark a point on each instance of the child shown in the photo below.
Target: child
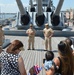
{"x": 48, "y": 61}
{"x": 35, "y": 70}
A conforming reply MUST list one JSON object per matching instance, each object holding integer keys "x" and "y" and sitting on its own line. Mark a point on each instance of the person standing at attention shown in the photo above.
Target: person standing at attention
{"x": 31, "y": 37}
{"x": 48, "y": 33}
{"x": 1, "y": 38}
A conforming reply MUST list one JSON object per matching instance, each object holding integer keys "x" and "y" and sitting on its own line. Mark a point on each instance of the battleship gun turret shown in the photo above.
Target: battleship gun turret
{"x": 40, "y": 11}
{"x": 25, "y": 17}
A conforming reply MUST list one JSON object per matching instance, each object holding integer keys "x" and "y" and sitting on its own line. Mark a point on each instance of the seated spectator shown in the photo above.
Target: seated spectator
{"x": 10, "y": 60}
{"x": 65, "y": 59}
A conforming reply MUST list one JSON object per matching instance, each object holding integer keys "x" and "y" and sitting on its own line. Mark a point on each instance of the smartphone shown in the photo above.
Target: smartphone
{"x": 43, "y": 61}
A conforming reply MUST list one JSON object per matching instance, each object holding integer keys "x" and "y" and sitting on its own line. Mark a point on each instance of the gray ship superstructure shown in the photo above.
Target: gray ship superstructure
{"x": 40, "y": 12}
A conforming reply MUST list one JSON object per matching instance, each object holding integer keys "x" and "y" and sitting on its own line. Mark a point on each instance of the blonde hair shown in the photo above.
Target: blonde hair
{"x": 66, "y": 59}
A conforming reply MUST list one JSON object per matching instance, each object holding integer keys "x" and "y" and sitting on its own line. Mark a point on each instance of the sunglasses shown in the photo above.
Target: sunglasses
{"x": 19, "y": 49}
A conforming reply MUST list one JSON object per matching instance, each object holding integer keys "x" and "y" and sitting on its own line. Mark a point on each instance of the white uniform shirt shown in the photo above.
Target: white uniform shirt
{"x": 48, "y": 32}
{"x": 31, "y": 32}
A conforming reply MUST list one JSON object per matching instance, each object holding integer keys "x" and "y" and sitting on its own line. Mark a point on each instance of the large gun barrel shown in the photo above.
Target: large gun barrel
{"x": 49, "y": 6}
{"x": 40, "y": 17}
{"x": 32, "y": 9}
{"x": 55, "y": 18}
{"x": 25, "y": 18}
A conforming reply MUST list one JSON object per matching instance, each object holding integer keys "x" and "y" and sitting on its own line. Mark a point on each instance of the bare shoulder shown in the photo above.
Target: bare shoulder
{"x": 57, "y": 61}
{"x": 56, "y": 58}
{"x": 21, "y": 66}
{"x": 20, "y": 59}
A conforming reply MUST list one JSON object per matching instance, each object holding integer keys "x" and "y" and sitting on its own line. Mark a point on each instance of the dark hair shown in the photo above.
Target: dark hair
{"x": 66, "y": 58}
{"x": 61, "y": 47}
{"x": 69, "y": 41}
{"x": 49, "y": 55}
{"x": 16, "y": 44}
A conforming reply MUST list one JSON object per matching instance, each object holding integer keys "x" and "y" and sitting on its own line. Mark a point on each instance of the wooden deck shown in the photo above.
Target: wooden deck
{"x": 33, "y": 57}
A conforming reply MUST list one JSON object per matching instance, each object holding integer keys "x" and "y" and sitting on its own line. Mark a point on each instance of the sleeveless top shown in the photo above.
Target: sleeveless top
{"x": 60, "y": 67}
{"x": 9, "y": 63}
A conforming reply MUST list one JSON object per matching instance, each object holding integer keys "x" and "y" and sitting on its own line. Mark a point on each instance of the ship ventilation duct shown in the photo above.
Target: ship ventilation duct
{"x": 40, "y": 19}
{"x": 25, "y": 17}
{"x": 48, "y": 9}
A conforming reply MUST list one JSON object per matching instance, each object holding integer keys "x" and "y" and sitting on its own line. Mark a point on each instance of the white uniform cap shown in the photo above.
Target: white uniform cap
{"x": 31, "y": 25}
{"x": 46, "y": 24}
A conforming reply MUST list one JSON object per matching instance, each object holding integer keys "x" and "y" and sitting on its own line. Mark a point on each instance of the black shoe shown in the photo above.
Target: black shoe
{"x": 28, "y": 49}
{"x": 33, "y": 49}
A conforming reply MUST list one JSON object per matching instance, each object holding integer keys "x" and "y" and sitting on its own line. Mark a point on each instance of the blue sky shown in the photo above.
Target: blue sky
{"x": 11, "y": 6}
